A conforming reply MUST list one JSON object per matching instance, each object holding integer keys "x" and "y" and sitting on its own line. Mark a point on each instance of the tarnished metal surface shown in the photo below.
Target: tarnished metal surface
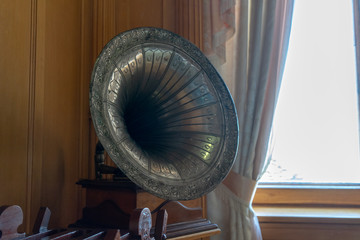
{"x": 163, "y": 113}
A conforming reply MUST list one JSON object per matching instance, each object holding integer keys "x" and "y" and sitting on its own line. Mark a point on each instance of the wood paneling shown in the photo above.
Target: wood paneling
{"x": 43, "y": 96}
{"x": 189, "y": 20}
{"x": 48, "y": 48}
{"x": 57, "y": 107}
{"x": 87, "y": 62}
{"x": 15, "y": 18}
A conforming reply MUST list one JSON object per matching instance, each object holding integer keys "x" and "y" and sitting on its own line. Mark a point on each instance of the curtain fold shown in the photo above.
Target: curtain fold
{"x": 218, "y": 27}
{"x": 255, "y": 58}
{"x": 356, "y": 9}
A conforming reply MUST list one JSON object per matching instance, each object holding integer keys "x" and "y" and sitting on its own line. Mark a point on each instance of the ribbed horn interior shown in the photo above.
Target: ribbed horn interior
{"x": 162, "y": 114}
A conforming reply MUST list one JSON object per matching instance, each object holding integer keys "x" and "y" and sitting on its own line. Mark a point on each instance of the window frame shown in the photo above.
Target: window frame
{"x": 337, "y": 195}
{"x": 305, "y": 211}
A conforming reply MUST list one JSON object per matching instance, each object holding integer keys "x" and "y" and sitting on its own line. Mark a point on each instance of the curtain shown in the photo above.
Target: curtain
{"x": 356, "y": 9}
{"x": 218, "y": 27}
{"x": 253, "y": 68}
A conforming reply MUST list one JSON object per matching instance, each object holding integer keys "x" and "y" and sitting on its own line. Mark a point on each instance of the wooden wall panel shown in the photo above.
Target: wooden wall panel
{"x": 48, "y": 49}
{"x": 169, "y": 15}
{"x": 188, "y": 15}
{"x": 139, "y": 13}
{"x": 87, "y": 62}
{"x": 44, "y": 72}
{"x": 15, "y": 18}
{"x": 104, "y": 12}
{"x": 57, "y": 107}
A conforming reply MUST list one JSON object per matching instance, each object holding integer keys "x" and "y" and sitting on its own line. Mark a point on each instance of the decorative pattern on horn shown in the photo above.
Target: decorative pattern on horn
{"x": 163, "y": 113}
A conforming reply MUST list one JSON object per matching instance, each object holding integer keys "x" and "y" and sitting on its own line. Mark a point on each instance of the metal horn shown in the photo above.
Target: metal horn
{"x": 163, "y": 113}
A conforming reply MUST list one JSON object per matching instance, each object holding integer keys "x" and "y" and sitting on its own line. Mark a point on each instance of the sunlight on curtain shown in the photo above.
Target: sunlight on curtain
{"x": 218, "y": 27}
{"x": 253, "y": 70}
{"x": 316, "y": 122}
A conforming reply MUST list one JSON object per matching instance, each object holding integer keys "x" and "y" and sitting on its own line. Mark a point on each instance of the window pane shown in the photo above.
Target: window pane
{"x": 316, "y": 121}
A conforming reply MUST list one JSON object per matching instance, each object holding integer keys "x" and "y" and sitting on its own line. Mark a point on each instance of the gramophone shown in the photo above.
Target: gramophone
{"x": 163, "y": 114}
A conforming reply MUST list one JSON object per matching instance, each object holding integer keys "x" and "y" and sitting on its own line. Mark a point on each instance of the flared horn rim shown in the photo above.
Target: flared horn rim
{"x": 163, "y": 113}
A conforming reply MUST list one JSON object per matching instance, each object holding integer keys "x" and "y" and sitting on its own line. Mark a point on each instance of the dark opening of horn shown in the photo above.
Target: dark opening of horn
{"x": 144, "y": 125}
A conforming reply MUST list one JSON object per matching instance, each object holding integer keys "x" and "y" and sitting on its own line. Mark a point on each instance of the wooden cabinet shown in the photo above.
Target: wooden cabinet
{"x": 121, "y": 197}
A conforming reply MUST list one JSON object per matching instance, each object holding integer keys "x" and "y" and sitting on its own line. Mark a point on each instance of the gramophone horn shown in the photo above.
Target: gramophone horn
{"x": 163, "y": 113}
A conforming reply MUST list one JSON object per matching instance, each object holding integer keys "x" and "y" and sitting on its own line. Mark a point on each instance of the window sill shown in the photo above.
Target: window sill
{"x": 323, "y": 215}
{"x": 310, "y": 223}
{"x": 339, "y": 196}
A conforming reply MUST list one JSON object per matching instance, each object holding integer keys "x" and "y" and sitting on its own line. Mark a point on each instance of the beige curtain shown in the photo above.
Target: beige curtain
{"x": 218, "y": 27}
{"x": 253, "y": 68}
{"x": 356, "y": 8}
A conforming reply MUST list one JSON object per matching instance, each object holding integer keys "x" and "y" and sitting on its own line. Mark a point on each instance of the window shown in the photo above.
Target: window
{"x": 316, "y": 138}
{"x": 311, "y": 189}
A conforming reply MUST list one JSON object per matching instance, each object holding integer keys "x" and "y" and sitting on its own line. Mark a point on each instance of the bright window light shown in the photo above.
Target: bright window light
{"x": 316, "y": 127}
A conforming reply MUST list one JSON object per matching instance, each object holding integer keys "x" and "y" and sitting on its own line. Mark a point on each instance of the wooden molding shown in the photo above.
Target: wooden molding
{"x": 87, "y": 61}
{"x": 31, "y": 110}
{"x": 104, "y": 23}
{"x": 189, "y": 20}
{"x": 37, "y": 138}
